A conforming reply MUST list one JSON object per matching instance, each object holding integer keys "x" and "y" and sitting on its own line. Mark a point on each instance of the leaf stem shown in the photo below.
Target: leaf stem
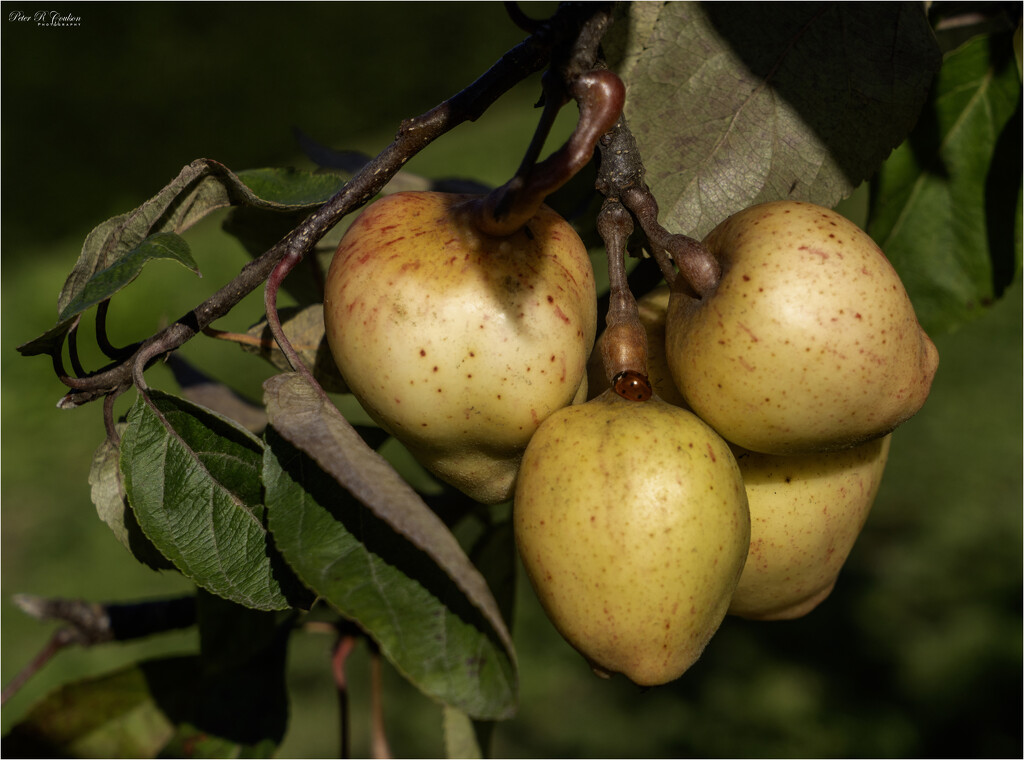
{"x": 111, "y": 351}
{"x": 339, "y": 658}
{"x": 380, "y": 748}
{"x": 274, "y": 319}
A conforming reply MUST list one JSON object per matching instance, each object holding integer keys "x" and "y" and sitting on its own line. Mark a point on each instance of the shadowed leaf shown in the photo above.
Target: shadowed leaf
{"x": 362, "y": 539}
{"x": 104, "y": 283}
{"x": 193, "y": 480}
{"x": 116, "y": 250}
{"x": 201, "y": 389}
{"x": 734, "y": 104}
{"x": 946, "y": 207}
{"x": 107, "y": 493}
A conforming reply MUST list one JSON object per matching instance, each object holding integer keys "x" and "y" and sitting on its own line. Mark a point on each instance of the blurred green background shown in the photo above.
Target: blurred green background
{"x": 917, "y": 652}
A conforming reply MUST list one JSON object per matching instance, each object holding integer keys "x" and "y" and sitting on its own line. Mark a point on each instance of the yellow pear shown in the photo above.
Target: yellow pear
{"x": 631, "y": 521}
{"x": 806, "y": 512}
{"x": 807, "y": 343}
{"x": 458, "y": 343}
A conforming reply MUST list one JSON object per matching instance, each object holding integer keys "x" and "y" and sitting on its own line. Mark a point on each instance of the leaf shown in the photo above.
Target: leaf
{"x": 243, "y": 699}
{"x": 106, "y": 282}
{"x": 362, "y": 539}
{"x": 460, "y": 739}
{"x": 113, "y": 715}
{"x": 304, "y": 327}
{"x": 107, "y": 493}
{"x": 734, "y": 104}
{"x": 170, "y": 707}
{"x": 193, "y": 480}
{"x": 946, "y": 207}
{"x": 201, "y": 389}
{"x": 289, "y": 187}
{"x": 115, "y": 251}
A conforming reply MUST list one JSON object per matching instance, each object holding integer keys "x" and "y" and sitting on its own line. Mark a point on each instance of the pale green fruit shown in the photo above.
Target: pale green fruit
{"x": 808, "y": 343}
{"x": 651, "y": 308}
{"x": 806, "y": 512}
{"x": 632, "y": 523}
{"x": 457, "y": 343}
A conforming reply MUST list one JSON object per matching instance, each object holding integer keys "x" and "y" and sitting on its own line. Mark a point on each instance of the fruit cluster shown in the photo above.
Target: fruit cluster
{"x": 738, "y": 486}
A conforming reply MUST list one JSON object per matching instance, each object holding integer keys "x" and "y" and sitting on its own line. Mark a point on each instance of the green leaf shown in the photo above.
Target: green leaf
{"x": 113, "y": 715}
{"x": 242, "y": 699}
{"x": 364, "y": 541}
{"x": 171, "y": 707}
{"x": 733, "y": 104}
{"x": 286, "y": 187}
{"x": 106, "y": 282}
{"x": 116, "y": 250}
{"x": 946, "y": 207}
{"x": 193, "y": 480}
{"x": 460, "y": 738}
{"x": 107, "y": 491}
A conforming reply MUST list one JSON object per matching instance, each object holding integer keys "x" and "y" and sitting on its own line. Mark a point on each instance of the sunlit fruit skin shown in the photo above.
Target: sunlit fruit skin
{"x": 631, "y": 521}
{"x": 457, "y": 343}
{"x": 806, "y": 512}
{"x": 809, "y": 341}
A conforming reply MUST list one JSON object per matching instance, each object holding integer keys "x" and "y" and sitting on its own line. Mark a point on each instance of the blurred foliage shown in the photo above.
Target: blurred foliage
{"x": 917, "y": 652}
{"x": 109, "y": 111}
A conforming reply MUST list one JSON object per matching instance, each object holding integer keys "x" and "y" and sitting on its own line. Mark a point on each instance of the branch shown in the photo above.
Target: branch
{"x": 90, "y": 623}
{"x": 621, "y": 178}
{"x": 414, "y": 134}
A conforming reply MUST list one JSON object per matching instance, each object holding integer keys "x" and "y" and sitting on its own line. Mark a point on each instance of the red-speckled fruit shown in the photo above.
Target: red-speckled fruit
{"x": 806, "y": 512}
{"x": 632, "y": 524}
{"x": 457, "y": 343}
{"x": 809, "y": 341}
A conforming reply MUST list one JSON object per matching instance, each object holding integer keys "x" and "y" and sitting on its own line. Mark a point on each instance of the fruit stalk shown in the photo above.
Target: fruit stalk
{"x": 600, "y": 95}
{"x": 624, "y": 343}
{"x": 699, "y": 270}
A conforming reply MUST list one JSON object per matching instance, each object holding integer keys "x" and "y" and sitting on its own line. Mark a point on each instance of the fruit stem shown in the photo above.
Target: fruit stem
{"x": 699, "y": 270}
{"x": 274, "y": 319}
{"x": 623, "y": 345}
{"x": 600, "y": 95}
